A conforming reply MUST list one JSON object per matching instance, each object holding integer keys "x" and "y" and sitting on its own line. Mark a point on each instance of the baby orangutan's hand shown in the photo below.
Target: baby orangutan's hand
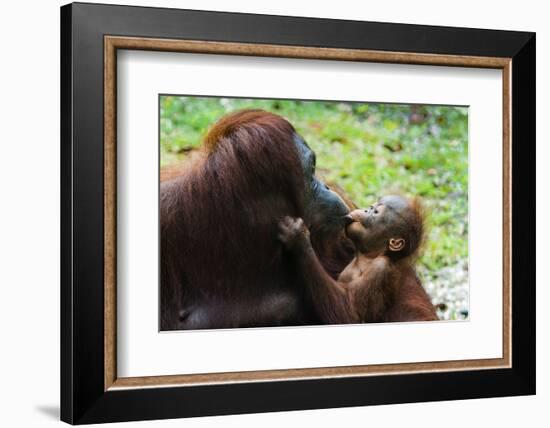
{"x": 293, "y": 231}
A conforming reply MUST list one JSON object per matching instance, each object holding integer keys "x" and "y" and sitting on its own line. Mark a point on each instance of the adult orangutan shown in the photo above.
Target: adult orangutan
{"x": 380, "y": 283}
{"x": 221, "y": 263}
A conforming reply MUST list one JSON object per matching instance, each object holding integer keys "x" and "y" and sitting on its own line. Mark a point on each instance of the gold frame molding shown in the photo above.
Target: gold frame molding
{"x": 113, "y": 43}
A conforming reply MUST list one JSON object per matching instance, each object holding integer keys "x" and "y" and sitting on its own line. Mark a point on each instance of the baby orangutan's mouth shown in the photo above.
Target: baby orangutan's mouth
{"x": 359, "y": 216}
{"x": 354, "y": 223}
{"x": 348, "y": 220}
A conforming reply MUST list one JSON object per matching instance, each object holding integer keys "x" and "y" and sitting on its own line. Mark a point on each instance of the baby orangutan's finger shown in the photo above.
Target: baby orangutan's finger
{"x": 287, "y": 221}
{"x": 284, "y": 227}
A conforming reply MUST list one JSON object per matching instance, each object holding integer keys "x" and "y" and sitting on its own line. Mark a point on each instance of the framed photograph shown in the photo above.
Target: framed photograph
{"x": 266, "y": 213}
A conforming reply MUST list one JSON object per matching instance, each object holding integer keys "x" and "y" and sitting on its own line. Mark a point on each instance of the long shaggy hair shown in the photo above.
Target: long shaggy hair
{"x": 219, "y": 214}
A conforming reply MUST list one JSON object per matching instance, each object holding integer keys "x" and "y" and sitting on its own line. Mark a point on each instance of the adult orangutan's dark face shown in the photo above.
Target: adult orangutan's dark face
{"x": 325, "y": 209}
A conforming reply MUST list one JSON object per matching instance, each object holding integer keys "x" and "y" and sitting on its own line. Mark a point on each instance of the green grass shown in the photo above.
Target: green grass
{"x": 369, "y": 150}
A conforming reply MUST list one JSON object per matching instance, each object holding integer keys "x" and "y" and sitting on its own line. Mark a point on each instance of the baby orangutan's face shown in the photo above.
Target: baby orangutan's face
{"x": 374, "y": 228}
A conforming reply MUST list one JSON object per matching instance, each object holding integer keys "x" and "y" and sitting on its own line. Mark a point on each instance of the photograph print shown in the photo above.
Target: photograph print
{"x": 279, "y": 213}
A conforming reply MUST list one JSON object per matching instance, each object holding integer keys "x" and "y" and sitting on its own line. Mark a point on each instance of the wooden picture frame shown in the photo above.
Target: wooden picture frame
{"x": 90, "y": 389}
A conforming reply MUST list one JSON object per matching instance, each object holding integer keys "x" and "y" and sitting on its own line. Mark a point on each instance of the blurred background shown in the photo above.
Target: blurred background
{"x": 368, "y": 150}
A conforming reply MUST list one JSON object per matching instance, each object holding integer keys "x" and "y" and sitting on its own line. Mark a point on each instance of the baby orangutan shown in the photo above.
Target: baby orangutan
{"x": 380, "y": 283}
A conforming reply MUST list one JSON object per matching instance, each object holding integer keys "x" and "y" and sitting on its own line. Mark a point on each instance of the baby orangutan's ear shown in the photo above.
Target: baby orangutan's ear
{"x": 396, "y": 244}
